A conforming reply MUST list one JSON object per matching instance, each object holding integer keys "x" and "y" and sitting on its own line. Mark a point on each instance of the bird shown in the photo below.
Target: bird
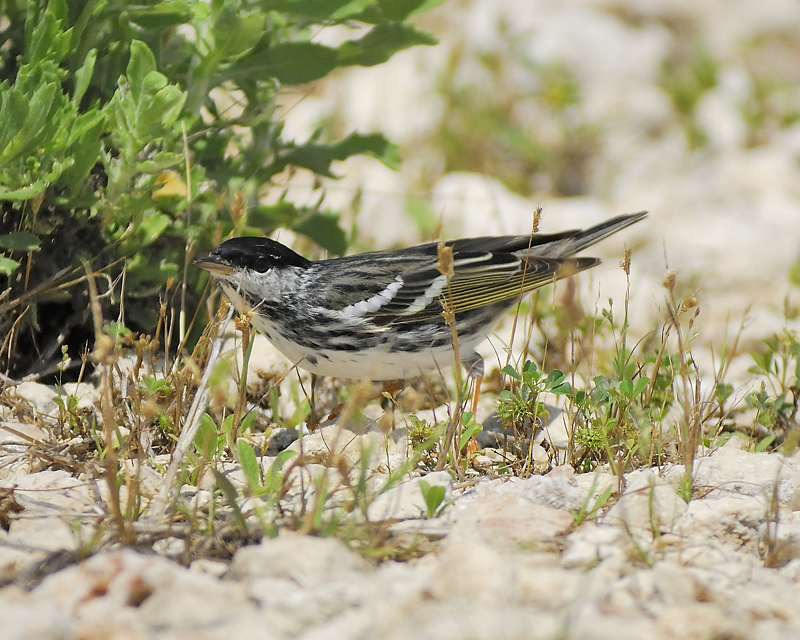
{"x": 379, "y": 315}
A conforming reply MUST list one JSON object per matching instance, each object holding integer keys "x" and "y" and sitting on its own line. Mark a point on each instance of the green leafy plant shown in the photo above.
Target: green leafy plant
{"x": 132, "y": 135}
{"x": 776, "y": 401}
{"x": 433, "y": 496}
{"x": 606, "y": 425}
{"x": 522, "y": 403}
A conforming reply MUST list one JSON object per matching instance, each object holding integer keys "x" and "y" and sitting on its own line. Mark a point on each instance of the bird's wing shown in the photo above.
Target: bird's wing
{"x": 408, "y": 287}
{"x": 478, "y": 280}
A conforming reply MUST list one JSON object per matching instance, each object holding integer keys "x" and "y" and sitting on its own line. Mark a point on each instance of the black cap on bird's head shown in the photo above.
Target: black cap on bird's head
{"x": 257, "y": 254}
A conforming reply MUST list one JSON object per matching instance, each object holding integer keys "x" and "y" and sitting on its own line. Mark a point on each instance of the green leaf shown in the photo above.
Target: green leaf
{"x": 205, "y": 442}
{"x": 247, "y": 422}
{"x": 8, "y": 266}
{"x": 268, "y": 217}
{"x": 160, "y": 161}
{"x": 530, "y": 367}
{"x": 641, "y": 385}
{"x": 374, "y": 145}
{"x": 764, "y": 443}
{"x": 433, "y": 496}
{"x": 426, "y": 5}
{"x": 507, "y": 396}
{"x": 116, "y": 329}
{"x": 13, "y": 111}
{"x": 141, "y": 63}
{"x": 151, "y": 227}
{"x": 83, "y": 76}
{"x": 38, "y": 110}
{"x": 289, "y": 62}
{"x": 324, "y": 229}
{"x": 23, "y": 193}
{"x": 234, "y": 33}
{"x": 162, "y": 15}
{"x": 562, "y": 389}
{"x": 473, "y": 427}
{"x": 273, "y": 478}
{"x": 555, "y": 378}
{"x": 153, "y": 386}
{"x": 227, "y": 425}
{"x": 249, "y": 463}
{"x": 381, "y": 43}
{"x": 318, "y": 9}
{"x": 511, "y": 372}
{"x": 20, "y": 241}
{"x": 398, "y": 10}
{"x": 229, "y": 491}
{"x": 318, "y": 157}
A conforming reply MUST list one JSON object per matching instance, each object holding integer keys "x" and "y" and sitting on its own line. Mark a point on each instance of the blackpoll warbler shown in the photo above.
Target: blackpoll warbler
{"x": 378, "y": 315}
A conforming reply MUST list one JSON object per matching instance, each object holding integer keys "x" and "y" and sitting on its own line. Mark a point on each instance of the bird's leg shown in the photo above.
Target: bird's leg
{"x": 474, "y": 365}
{"x": 312, "y": 416}
{"x": 475, "y": 395}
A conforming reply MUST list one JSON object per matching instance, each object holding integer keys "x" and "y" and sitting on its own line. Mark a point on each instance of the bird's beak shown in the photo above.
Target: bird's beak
{"x": 214, "y": 265}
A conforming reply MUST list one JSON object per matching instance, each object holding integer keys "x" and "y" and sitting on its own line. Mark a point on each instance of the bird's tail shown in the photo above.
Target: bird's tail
{"x": 569, "y": 243}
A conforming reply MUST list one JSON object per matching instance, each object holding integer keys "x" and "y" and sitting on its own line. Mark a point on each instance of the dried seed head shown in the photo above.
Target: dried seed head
{"x": 669, "y": 281}
{"x": 104, "y": 348}
{"x": 690, "y": 303}
{"x": 237, "y": 206}
{"x": 242, "y": 321}
{"x": 445, "y": 264}
{"x": 537, "y": 217}
{"x": 625, "y": 263}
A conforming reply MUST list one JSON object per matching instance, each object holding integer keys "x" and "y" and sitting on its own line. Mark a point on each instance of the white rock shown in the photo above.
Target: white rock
{"x": 506, "y": 519}
{"x": 88, "y": 395}
{"x": 557, "y": 434}
{"x": 721, "y": 120}
{"x": 540, "y": 457}
{"x": 54, "y": 494}
{"x": 43, "y": 533}
{"x": 729, "y": 470}
{"x": 24, "y": 619}
{"x": 16, "y": 440}
{"x": 144, "y": 594}
{"x": 730, "y": 519}
{"x": 552, "y": 490}
{"x": 149, "y": 479}
{"x": 544, "y": 583}
{"x": 305, "y": 560}
{"x": 648, "y": 508}
{"x": 15, "y": 559}
{"x": 474, "y": 572}
{"x": 591, "y": 543}
{"x": 40, "y": 398}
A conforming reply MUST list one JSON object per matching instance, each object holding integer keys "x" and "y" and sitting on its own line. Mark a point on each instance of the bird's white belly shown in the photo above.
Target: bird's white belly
{"x": 380, "y": 363}
{"x": 374, "y": 364}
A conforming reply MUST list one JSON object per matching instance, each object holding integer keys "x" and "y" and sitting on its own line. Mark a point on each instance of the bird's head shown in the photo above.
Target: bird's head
{"x": 254, "y": 271}
{"x": 238, "y": 255}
